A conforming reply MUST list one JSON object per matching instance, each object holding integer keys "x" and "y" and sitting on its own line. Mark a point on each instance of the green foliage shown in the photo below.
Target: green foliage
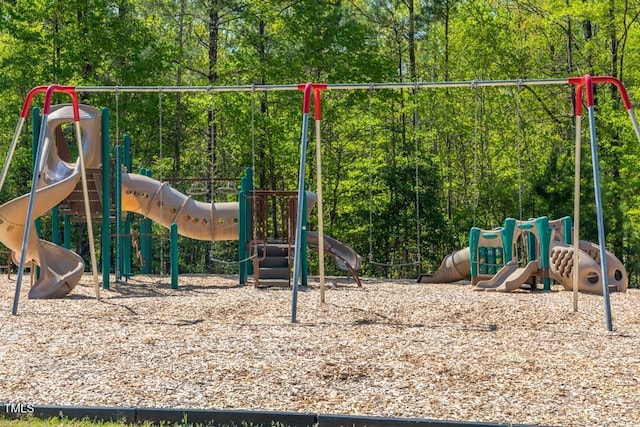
{"x": 405, "y": 175}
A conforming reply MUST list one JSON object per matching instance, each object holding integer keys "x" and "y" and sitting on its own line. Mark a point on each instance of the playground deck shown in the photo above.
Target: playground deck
{"x": 396, "y": 348}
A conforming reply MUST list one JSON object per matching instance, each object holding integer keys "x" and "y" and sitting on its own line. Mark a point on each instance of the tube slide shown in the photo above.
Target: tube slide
{"x": 165, "y": 205}
{"x": 454, "y": 267}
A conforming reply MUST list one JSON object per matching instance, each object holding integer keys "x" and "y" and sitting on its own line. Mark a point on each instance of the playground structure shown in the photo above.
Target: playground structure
{"x": 493, "y": 262}
{"x": 580, "y": 84}
{"x": 59, "y": 186}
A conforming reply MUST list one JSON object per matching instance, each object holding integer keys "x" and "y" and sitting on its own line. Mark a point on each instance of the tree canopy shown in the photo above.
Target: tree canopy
{"x": 406, "y": 172}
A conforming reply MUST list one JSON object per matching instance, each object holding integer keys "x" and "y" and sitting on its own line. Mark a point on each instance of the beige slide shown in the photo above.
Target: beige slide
{"x": 60, "y": 268}
{"x": 454, "y": 267}
{"x": 509, "y": 278}
{"x": 344, "y": 256}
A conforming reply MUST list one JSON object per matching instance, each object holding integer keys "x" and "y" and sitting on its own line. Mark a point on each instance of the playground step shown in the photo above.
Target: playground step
{"x": 272, "y": 266}
{"x": 282, "y": 273}
{"x": 273, "y": 283}
{"x": 273, "y": 250}
{"x": 274, "y": 262}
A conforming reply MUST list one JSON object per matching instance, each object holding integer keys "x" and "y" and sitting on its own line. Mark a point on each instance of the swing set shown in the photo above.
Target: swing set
{"x": 581, "y": 85}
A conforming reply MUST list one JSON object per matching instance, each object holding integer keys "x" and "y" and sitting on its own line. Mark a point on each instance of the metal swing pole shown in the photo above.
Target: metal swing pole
{"x": 16, "y": 135}
{"x": 85, "y": 194}
{"x": 318, "y": 119}
{"x": 576, "y": 197}
{"x": 297, "y": 262}
{"x": 596, "y": 184}
{"x": 36, "y": 173}
{"x": 34, "y": 186}
{"x": 625, "y": 99}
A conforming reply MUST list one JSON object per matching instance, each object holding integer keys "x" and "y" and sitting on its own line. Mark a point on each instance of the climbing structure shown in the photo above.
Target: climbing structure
{"x": 529, "y": 252}
{"x": 518, "y": 238}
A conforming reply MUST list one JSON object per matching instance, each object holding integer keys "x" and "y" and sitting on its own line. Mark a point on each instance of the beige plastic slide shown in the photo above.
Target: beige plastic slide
{"x": 341, "y": 253}
{"x": 60, "y": 268}
{"x": 509, "y": 278}
{"x": 165, "y": 205}
{"x": 344, "y": 256}
{"x": 454, "y": 267}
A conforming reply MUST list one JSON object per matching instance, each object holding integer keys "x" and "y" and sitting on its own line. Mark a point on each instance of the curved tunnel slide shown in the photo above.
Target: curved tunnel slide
{"x": 454, "y": 267}
{"x": 165, "y": 205}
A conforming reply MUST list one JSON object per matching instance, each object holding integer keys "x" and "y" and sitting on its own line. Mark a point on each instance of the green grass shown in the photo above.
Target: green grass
{"x": 29, "y": 421}
{"x": 37, "y": 422}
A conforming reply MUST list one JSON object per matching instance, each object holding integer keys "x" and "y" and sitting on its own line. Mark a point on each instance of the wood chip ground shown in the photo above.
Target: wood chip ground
{"x": 390, "y": 348}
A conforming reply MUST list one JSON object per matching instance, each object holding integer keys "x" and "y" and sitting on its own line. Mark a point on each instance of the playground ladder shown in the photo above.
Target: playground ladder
{"x": 272, "y": 265}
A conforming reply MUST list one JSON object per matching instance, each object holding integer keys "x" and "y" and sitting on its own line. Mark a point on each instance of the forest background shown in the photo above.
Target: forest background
{"x": 406, "y": 173}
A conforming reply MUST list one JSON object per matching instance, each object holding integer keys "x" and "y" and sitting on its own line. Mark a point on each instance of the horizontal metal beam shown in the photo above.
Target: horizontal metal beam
{"x": 338, "y": 86}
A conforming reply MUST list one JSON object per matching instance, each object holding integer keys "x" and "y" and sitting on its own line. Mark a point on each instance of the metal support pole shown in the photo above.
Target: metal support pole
{"x": 174, "y": 255}
{"x": 106, "y": 200}
{"x": 596, "y": 184}
{"x": 300, "y": 214}
{"x": 576, "y": 197}
{"x": 87, "y": 208}
{"x": 32, "y": 197}
{"x": 318, "y": 120}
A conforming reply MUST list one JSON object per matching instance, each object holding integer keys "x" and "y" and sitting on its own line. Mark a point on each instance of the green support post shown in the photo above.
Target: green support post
{"x": 567, "y": 229}
{"x": 144, "y": 247}
{"x": 118, "y": 179}
{"x": 545, "y": 235}
{"x": 126, "y": 240}
{"x": 174, "y": 255}
{"x": 532, "y": 247}
{"x": 106, "y": 200}
{"x": 474, "y": 237}
{"x": 55, "y": 225}
{"x": 67, "y": 231}
{"x": 146, "y": 242}
{"x": 245, "y": 267}
{"x": 242, "y": 237}
{"x": 507, "y": 238}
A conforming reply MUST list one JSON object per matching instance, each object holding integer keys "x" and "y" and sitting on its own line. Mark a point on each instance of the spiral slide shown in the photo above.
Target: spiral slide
{"x": 60, "y": 268}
